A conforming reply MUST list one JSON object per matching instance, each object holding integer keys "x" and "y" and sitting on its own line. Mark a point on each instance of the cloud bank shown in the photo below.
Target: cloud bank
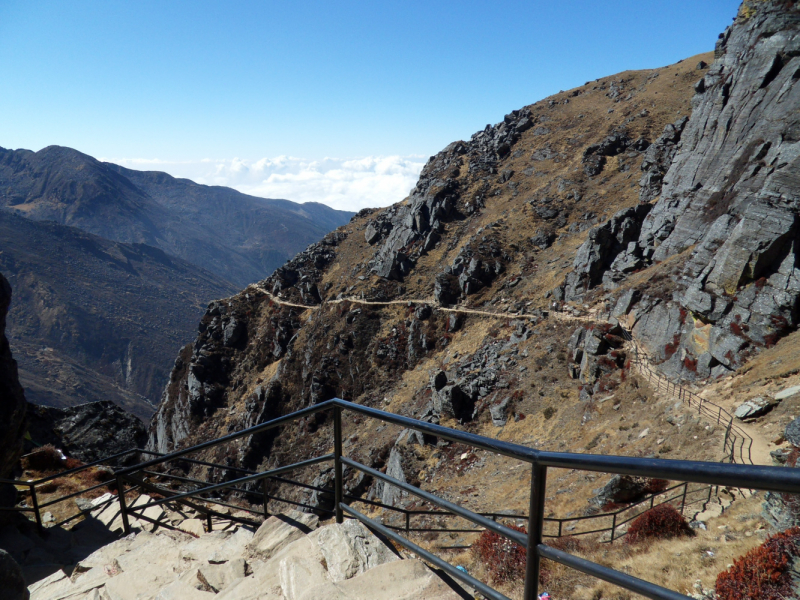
{"x": 345, "y": 184}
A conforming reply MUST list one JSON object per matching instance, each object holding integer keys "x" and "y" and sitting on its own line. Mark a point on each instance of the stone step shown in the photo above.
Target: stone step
{"x": 288, "y": 558}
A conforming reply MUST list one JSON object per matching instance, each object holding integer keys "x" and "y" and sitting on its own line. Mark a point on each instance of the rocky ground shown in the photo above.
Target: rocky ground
{"x": 287, "y": 557}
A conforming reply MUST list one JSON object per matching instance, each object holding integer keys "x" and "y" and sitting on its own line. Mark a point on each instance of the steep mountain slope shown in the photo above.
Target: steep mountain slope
{"x": 495, "y": 298}
{"x": 727, "y": 218}
{"x": 493, "y": 223}
{"x": 97, "y": 320}
{"x": 238, "y": 237}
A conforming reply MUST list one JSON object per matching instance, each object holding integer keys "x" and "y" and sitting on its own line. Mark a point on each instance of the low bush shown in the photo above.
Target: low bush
{"x": 567, "y": 543}
{"x": 765, "y": 572}
{"x": 662, "y": 522}
{"x": 46, "y": 458}
{"x": 505, "y": 560}
{"x": 655, "y": 486}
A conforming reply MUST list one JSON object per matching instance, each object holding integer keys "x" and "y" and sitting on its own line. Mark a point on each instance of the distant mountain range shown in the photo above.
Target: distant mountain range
{"x": 111, "y": 269}
{"x": 238, "y": 237}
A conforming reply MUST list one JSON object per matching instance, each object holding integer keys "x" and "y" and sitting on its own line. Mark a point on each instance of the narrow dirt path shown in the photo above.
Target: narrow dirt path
{"x": 456, "y": 309}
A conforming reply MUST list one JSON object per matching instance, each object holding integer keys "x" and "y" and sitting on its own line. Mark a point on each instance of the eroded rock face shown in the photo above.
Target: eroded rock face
{"x": 89, "y": 431}
{"x": 406, "y": 232}
{"x": 12, "y": 398}
{"x": 608, "y": 254}
{"x": 729, "y": 200}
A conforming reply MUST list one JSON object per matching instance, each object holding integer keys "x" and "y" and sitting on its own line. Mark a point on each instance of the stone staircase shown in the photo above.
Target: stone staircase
{"x": 288, "y": 557}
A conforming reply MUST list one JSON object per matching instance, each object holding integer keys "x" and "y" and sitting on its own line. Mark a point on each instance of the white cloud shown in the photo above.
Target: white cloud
{"x": 347, "y": 184}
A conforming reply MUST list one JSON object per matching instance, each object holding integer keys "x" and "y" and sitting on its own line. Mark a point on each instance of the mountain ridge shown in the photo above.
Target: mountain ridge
{"x": 239, "y": 237}
{"x": 94, "y": 319}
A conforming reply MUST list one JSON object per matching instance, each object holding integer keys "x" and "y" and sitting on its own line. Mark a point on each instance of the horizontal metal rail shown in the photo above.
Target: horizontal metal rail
{"x": 431, "y": 558}
{"x": 735, "y": 475}
{"x": 484, "y": 522}
{"x": 221, "y": 486}
{"x": 757, "y": 477}
{"x": 634, "y": 584}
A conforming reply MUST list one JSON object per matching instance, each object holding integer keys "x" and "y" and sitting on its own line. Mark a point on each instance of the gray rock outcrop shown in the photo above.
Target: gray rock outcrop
{"x": 598, "y": 258}
{"x": 89, "y": 431}
{"x": 12, "y": 397}
{"x": 727, "y": 182}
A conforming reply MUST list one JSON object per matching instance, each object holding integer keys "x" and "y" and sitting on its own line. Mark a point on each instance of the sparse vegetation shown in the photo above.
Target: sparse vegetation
{"x": 660, "y": 523}
{"x": 504, "y": 559}
{"x": 46, "y": 458}
{"x": 764, "y": 572}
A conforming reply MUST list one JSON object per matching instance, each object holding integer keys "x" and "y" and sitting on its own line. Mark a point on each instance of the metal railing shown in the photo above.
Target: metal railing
{"x": 738, "y": 443}
{"x": 36, "y": 507}
{"x": 713, "y": 474}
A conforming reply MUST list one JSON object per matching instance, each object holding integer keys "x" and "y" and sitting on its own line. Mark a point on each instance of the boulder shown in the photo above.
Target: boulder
{"x": 350, "y": 549}
{"x": 88, "y": 431}
{"x": 12, "y": 582}
{"x": 755, "y": 407}
{"x": 792, "y": 433}
{"x": 390, "y": 494}
{"x": 787, "y": 393}
{"x": 621, "y": 489}
{"x": 452, "y": 401}
{"x": 408, "y": 579}
{"x": 279, "y": 531}
{"x": 498, "y": 412}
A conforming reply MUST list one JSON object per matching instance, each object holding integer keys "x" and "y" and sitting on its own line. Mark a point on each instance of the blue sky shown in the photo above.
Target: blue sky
{"x": 170, "y": 84}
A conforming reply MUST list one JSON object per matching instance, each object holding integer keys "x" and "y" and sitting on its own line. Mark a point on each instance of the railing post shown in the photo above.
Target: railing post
{"x": 337, "y": 463}
{"x": 264, "y": 493}
{"x": 35, "y": 502}
{"x": 123, "y": 509}
{"x": 535, "y": 522}
{"x": 560, "y": 523}
{"x": 683, "y": 500}
{"x": 613, "y": 527}
{"x": 209, "y": 525}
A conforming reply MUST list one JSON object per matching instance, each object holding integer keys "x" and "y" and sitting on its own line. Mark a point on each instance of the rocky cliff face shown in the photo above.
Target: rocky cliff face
{"x": 88, "y": 431}
{"x": 97, "y": 320}
{"x": 12, "y": 398}
{"x": 437, "y": 307}
{"x": 727, "y": 183}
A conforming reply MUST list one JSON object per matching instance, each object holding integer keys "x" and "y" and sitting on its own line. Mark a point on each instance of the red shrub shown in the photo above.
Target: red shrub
{"x": 736, "y": 329}
{"x": 46, "y": 458}
{"x": 761, "y": 282}
{"x": 684, "y": 314}
{"x": 764, "y": 572}
{"x": 656, "y": 486}
{"x": 504, "y": 559}
{"x": 662, "y": 522}
{"x": 672, "y": 347}
{"x": 72, "y": 463}
{"x": 690, "y": 364}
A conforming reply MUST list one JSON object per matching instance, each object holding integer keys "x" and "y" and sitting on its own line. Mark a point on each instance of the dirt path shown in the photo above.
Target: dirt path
{"x": 457, "y": 309}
